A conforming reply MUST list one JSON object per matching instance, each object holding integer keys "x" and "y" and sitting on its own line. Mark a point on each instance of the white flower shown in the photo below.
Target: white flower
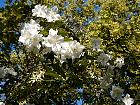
{"x": 71, "y": 49}
{"x": 25, "y": 37}
{"x": 96, "y": 44}
{"x": 52, "y": 16}
{"x": 2, "y": 72}
{"x": 106, "y": 81}
{"x": 47, "y": 13}
{"x": 52, "y": 39}
{"x": 53, "y": 32}
{"x": 11, "y": 71}
{"x": 119, "y": 62}
{"x": 2, "y": 103}
{"x": 110, "y": 70}
{"x": 127, "y": 100}
{"x": 103, "y": 59}
{"x": 116, "y": 92}
{"x": 63, "y": 50}
{"x": 34, "y": 41}
{"x": 77, "y": 49}
{"x": 29, "y": 31}
{"x": 30, "y": 36}
{"x": 57, "y": 49}
{"x": 33, "y": 27}
{"x": 66, "y": 51}
{"x": 31, "y": 42}
{"x": 40, "y": 11}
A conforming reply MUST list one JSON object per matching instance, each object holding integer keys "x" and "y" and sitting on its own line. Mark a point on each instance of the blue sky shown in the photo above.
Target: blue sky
{"x": 2, "y": 3}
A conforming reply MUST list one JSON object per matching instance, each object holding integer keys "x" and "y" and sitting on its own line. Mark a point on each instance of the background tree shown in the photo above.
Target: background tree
{"x": 116, "y": 23}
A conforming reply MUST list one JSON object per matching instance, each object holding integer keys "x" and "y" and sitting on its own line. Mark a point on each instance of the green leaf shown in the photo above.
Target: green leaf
{"x": 54, "y": 75}
{"x": 44, "y": 32}
{"x": 67, "y": 39}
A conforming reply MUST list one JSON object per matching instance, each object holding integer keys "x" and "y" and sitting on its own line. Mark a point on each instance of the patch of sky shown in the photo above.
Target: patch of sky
{"x": 17, "y": 33}
{"x": 80, "y": 90}
{"x": 2, "y": 97}
{"x": 135, "y": 13}
{"x": 2, "y": 47}
{"x": 78, "y": 10}
{"x": 79, "y": 101}
{"x": 12, "y": 47}
{"x": 12, "y": 2}
{"x": 96, "y": 8}
{"x": 84, "y": 4}
{"x": 85, "y": 1}
{"x": 54, "y": 8}
{"x": 61, "y": 13}
{"x": 2, "y": 3}
{"x": 128, "y": 18}
{"x": 88, "y": 21}
{"x": 29, "y": 2}
{"x": 66, "y": 3}
{"x": 2, "y": 83}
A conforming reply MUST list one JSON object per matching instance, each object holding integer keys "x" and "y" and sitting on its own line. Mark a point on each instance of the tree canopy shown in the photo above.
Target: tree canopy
{"x": 63, "y": 52}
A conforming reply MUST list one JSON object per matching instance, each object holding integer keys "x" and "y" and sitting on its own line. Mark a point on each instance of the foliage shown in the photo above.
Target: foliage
{"x": 114, "y": 22}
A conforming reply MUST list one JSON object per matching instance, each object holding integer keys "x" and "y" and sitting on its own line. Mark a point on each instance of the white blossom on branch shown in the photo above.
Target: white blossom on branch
{"x": 127, "y": 100}
{"x": 48, "y": 13}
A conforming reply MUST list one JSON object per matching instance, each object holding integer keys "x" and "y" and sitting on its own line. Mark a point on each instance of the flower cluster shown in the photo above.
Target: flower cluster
{"x": 52, "y": 41}
{"x": 119, "y": 62}
{"x": 106, "y": 81}
{"x": 96, "y": 44}
{"x": 31, "y": 38}
{"x": 103, "y": 59}
{"x": 47, "y": 13}
{"x": 2, "y": 103}
{"x": 117, "y": 92}
{"x": 30, "y": 35}
{"x": 63, "y": 50}
{"x": 127, "y": 100}
{"x": 4, "y": 71}
{"x": 70, "y": 49}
